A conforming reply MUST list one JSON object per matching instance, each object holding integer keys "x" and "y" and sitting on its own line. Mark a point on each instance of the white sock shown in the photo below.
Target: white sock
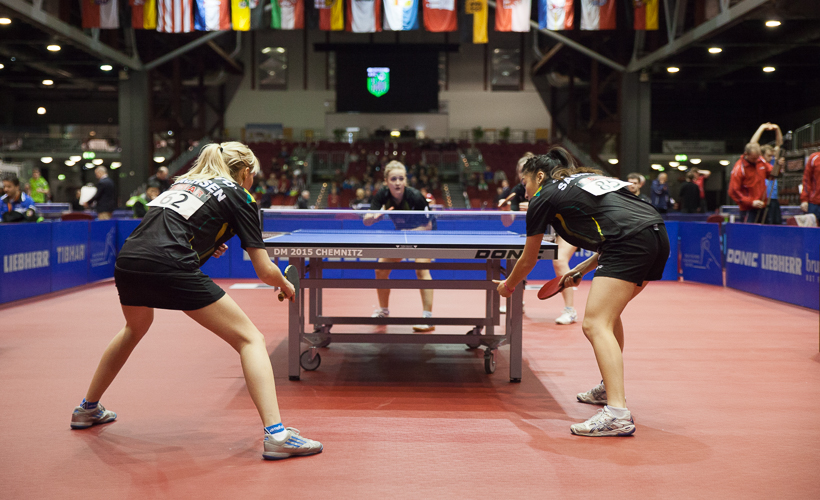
{"x": 618, "y": 412}
{"x": 427, "y": 314}
{"x": 385, "y": 311}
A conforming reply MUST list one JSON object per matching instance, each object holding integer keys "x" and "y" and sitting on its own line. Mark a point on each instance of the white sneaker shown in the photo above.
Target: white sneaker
{"x": 604, "y": 423}
{"x": 594, "y": 396}
{"x": 423, "y": 328}
{"x": 380, "y": 313}
{"x": 567, "y": 317}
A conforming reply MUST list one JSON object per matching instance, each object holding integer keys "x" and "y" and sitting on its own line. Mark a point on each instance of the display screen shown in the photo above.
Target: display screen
{"x": 383, "y": 79}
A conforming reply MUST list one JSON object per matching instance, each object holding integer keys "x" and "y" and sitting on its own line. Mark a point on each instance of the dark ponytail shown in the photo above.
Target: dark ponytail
{"x": 556, "y": 164}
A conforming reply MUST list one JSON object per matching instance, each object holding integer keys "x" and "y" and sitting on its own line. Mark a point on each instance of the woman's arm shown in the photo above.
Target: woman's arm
{"x": 522, "y": 267}
{"x": 267, "y": 271}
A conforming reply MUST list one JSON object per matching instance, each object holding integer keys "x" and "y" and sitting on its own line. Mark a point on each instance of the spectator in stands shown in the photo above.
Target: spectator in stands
{"x": 360, "y": 199}
{"x": 304, "y": 201}
{"x": 660, "y": 193}
{"x": 15, "y": 205}
{"x": 333, "y": 196}
{"x": 770, "y": 153}
{"x": 810, "y": 196}
{"x": 499, "y": 177}
{"x": 273, "y": 184}
{"x": 689, "y": 194}
{"x": 635, "y": 186}
{"x": 700, "y": 181}
{"x": 488, "y": 174}
{"x": 139, "y": 204}
{"x": 106, "y": 196}
{"x": 161, "y": 179}
{"x": 284, "y": 184}
{"x": 39, "y": 187}
{"x": 747, "y": 186}
{"x": 298, "y": 183}
{"x": 262, "y": 194}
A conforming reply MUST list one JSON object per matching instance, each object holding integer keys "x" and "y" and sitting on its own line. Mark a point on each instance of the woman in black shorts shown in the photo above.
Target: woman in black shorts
{"x": 599, "y": 214}
{"x": 158, "y": 267}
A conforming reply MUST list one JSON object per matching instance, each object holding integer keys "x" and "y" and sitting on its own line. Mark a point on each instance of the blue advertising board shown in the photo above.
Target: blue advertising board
{"x": 26, "y": 252}
{"x": 102, "y": 249}
{"x": 700, "y": 251}
{"x": 779, "y": 262}
{"x": 69, "y": 254}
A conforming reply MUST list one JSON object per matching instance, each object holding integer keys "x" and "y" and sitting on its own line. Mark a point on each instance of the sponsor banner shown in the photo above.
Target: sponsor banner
{"x": 779, "y": 262}
{"x": 221, "y": 267}
{"x": 700, "y": 252}
{"x": 102, "y": 249}
{"x": 26, "y": 253}
{"x": 69, "y": 254}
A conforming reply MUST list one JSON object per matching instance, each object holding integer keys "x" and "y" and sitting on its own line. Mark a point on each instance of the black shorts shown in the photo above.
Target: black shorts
{"x": 638, "y": 258}
{"x": 148, "y": 284}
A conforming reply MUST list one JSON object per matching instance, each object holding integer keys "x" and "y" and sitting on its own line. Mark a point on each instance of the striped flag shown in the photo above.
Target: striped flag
{"x": 513, "y": 15}
{"x": 556, "y": 15}
{"x": 597, "y": 15}
{"x": 100, "y": 14}
{"x": 440, "y": 15}
{"x": 287, "y": 14}
{"x": 401, "y": 15}
{"x": 246, "y": 15}
{"x": 144, "y": 14}
{"x": 212, "y": 15}
{"x": 646, "y": 14}
{"x": 364, "y": 16}
{"x": 175, "y": 16}
{"x": 331, "y": 15}
{"x": 473, "y": 23}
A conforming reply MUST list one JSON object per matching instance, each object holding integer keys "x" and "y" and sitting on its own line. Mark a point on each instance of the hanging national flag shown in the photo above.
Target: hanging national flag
{"x": 472, "y": 23}
{"x": 144, "y": 14}
{"x": 440, "y": 15}
{"x": 212, "y": 15}
{"x": 364, "y": 16}
{"x": 241, "y": 15}
{"x": 597, "y": 15}
{"x": 513, "y": 15}
{"x": 287, "y": 14}
{"x": 556, "y": 15}
{"x": 100, "y": 14}
{"x": 401, "y": 15}
{"x": 175, "y": 16}
{"x": 331, "y": 15}
{"x": 646, "y": 14}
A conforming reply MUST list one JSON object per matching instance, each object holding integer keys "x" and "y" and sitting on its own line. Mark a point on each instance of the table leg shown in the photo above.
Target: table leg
{"x": 515, "y": 320}
{"x": 295, "y": 311}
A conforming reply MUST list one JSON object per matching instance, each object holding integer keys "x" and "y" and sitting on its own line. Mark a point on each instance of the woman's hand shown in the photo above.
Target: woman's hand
{"x": 220, "y": 251}
{"x": 503, "y": 289}
{"x": 572, "y": 278}
{"x": 287, "y": 289}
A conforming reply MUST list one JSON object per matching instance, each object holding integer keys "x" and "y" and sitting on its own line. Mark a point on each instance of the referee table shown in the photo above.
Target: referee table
{"x": 336, "y": 242}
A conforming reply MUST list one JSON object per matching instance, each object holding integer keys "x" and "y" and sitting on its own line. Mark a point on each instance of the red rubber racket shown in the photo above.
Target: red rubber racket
{"x": 554, "y": 286}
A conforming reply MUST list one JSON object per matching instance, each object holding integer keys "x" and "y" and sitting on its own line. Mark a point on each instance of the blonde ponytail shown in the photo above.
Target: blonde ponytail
{"x": 226, "y": 160}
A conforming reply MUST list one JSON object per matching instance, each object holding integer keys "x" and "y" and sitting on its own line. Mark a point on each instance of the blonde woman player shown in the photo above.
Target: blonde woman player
{"x": 397, "y": 195}
{"x": 158, "y": 267}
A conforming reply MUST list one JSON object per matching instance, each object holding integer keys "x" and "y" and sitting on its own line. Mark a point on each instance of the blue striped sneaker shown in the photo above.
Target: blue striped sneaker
{"x": 83, "y": 419}
{"x": 604, "y": 423}
{"x": 293, "y": 445}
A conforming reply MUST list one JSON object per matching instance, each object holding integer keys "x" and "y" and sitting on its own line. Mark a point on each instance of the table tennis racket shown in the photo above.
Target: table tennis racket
{"x": 292, "y": 275}
{"x": 554, "y": 286}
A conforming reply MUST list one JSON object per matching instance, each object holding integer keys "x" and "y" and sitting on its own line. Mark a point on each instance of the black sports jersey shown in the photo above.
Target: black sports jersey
{"x": 412, "y": 200}
{"x": 520, "y": 195}
{"x": 185, "y": 224}
{"x": 588, "y": 209}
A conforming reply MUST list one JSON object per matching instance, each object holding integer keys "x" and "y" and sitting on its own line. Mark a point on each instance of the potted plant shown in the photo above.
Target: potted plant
{"x": 504, "y": 134}
{"x": 478, "y": 134}
{"x": 338, "y": 134}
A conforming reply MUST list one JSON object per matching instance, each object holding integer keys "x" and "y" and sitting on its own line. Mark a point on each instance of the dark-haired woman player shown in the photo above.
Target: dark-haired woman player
{"x": 158, "y": 267}
{"x": 599, "y": 214}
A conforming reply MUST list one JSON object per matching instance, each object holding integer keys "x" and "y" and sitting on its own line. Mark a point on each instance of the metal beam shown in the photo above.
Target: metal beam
{"x": 708, "y": 28}
{"x": 80, "y": 39}
{"x": 182, "y": 50}
{"x": 554, "y": 50}
{"x": 572, "y": 44}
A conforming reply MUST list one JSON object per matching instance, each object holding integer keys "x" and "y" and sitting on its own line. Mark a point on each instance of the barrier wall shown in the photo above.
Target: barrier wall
{"x": 701, "y": 254}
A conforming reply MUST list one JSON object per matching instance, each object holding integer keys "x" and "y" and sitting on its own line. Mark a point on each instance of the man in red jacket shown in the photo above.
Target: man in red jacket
{"x": 810, "y": 196}
{"x": 748, "y": 183}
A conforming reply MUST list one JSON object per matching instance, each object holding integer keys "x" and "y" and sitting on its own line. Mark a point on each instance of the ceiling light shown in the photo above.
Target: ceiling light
{"x": 395, "y": 133}
{"x": 48, "y": 82}
{"x": 715, "y": 50}
{"x": 768, "y": 69}
{"x": 695, "y": 161}
{"x": 673, "y": 69}
{"x": 673, "y": 164}
{"x": 115, "y": 165}
{"x": 281, "y": 50}
{"x": 69, "y": 163}
{"x": 106, "y": 67}
{"x": 46, "y": 159}
{"x": 54, "y": 48}
{"x": 5, "y": 20}
{"x": 74, "y": 158}
{"x": 682, "y": 167}
{"x": 772, "y": 23}
{"x": 88, "y": 166}
{"x": 656, "y": 166}
{"x": 724, "y": 162}
{"x": 97, "y": 161}
{"x": 41, "y": 111}
{"x": 159, "y": 159}
{"x": 267, "y": 50}
{"x": 1, "y": 66}
{"x": 613, "y": 161}
{"x": 61, "y": 177}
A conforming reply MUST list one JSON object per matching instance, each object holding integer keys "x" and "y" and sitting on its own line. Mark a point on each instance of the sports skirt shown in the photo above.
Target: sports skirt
{"x": 145, "y": 283}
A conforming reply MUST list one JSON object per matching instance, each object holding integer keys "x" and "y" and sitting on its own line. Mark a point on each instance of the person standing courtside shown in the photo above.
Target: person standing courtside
{"x": 160, "y": 179}
{"x": 660, "y": 193}
{"x": 106, "y": 196}
{"x": 397, "y": 195}
{"x": 159, "y": 268}
{"x": 39, "y": 187}
{"x": 810, "y": 196}
{"x": 747, "y": 186}
{"x": 631, "y": 248}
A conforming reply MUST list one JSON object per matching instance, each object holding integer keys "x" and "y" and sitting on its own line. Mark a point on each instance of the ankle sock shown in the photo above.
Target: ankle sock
{"x": 277, "y": 431}
{"x": 89, "y": 405}
{"x": 427, "y": 314}
{"x": 618, "y": 412}
{"x": 385, "y": 311}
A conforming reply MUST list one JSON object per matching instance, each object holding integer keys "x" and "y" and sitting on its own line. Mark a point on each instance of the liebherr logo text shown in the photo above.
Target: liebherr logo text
{"x": 316, "y": 252}
{"x": 503, "y": 254}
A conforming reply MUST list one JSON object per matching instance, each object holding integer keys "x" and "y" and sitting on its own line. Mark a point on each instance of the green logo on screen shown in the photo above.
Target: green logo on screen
{"x": 378, "y": 81}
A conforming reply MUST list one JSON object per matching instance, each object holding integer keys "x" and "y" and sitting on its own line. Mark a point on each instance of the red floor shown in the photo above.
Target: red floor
{"x": 724, "y": 387}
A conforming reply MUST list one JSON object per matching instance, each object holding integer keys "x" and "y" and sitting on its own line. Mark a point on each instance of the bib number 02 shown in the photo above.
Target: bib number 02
{"x": 185, "y": 204}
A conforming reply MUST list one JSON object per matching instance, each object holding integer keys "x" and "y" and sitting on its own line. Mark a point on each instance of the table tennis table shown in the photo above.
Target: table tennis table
{"x": 317, "y": 241}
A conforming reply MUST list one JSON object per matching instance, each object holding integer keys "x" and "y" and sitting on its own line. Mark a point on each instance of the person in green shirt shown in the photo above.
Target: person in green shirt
{"x": 39, "y": 187}
{"x": 139, "y": 204}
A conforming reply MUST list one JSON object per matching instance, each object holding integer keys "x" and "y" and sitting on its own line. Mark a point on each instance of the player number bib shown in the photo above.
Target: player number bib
{"x": 598, "y": 185}
{"x": 181, "y": 202}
